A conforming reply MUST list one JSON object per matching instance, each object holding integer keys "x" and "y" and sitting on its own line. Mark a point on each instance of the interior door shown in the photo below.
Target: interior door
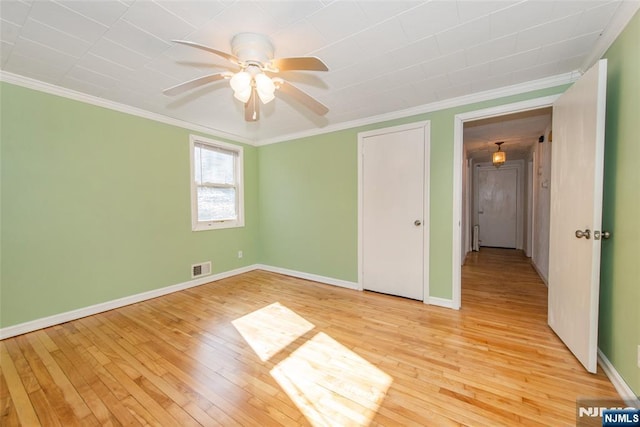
{"x": 393, "y": 191}
{"x": 498, "y": 207}
{"x": 576, "y": 214}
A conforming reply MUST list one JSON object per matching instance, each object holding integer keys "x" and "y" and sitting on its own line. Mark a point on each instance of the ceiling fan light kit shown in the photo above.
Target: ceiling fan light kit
{"x": 253, "y": 53}
{"x": 265, "y": 87}
{"x": 241, "y": 85}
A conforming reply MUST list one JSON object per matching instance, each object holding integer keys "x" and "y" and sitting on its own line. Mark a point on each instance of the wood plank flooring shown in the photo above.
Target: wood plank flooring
{"x": 266, "y": 349}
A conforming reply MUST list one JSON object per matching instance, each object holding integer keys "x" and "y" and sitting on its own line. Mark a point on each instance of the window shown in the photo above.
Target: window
{"x": 216, "y": 184}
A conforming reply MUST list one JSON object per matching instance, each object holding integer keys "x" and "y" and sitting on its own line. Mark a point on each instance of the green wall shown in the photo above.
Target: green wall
{"x": 619, "y": 333}
{"x": 96, "y": 206}
{"x": 309, "y": 204}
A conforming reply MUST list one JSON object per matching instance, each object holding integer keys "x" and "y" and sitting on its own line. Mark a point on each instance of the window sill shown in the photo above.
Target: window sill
{"x": 216, "y": 225}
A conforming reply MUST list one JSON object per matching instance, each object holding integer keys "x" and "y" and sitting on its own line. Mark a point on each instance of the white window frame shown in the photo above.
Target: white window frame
{"x": 239, "y": 185}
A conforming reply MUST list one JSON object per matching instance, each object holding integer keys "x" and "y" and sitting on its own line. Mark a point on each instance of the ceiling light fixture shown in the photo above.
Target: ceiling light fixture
{"x": 241, "y": 85}
{"x": 243, "y": 82}
{"x": 265, "y": 88}
{"x": 499, "y": 157}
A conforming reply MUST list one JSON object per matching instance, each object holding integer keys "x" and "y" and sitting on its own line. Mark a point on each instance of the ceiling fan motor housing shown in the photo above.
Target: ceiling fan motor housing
{"x": 252, "y": 48}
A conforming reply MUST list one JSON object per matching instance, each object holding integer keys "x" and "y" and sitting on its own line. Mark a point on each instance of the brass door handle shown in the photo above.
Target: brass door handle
{"x": 586, "y": 234}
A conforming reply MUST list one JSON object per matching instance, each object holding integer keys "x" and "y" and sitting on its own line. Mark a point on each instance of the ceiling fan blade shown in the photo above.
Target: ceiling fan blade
{"x": 310, "y": 63}
{"x": 252, "y": 107}
{"x": 225, "y": 55}
{"x": 303, "y": 98}
{"x": 192, "y": 84}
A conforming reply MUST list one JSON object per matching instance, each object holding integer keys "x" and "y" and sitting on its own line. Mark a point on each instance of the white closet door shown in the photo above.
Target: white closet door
{"x": 393, "y": 174}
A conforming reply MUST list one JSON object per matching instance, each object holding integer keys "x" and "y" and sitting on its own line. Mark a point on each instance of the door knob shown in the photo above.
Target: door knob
{"x": 417, "y": 223}
{"x": 586, "y": 234}
{"x": 606, "y": 235}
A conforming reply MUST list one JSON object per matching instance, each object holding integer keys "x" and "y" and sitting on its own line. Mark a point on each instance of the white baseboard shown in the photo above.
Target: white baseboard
{"x": 440, "y": 302}
{"x": 45, "y": 322}
{"x": 535, "y": 267}
{"x": 56, "y": 319}
{"x": 618, "y": 382}
{"x": 309, "y": 276}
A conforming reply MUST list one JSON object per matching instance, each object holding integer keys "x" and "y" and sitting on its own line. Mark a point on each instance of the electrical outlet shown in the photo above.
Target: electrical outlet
{"x": 240, "y": 254}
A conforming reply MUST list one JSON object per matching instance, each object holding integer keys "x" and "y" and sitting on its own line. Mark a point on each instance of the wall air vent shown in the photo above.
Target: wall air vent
{"x": 201, "y": 269}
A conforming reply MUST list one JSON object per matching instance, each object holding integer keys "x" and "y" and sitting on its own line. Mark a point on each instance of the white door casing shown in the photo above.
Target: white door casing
{"x": 528, "y": 249}
{"x": 393, "y": 198}
{"x": 576, "y": 204}
{"x": 498, "y": 206}
{"x": 458, "y": 138}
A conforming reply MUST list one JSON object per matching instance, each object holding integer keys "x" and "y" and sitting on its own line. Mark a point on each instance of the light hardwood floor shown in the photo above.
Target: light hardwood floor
{"x": 265, "y": 349}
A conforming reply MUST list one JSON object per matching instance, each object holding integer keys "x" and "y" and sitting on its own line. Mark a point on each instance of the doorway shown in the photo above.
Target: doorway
{"x": 577, "y": 178}
{"x": 464, "y": 165}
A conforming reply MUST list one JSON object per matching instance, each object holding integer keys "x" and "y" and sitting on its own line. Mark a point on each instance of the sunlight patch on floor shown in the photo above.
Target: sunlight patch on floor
{"x": 331, "y": 384}
{"x": 271, "y": 329}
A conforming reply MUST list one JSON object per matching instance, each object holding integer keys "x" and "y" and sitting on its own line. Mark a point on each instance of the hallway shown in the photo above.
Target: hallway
{"x": 506, "y": 278}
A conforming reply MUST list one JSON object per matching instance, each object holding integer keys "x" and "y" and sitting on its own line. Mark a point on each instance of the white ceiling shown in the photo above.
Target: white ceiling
{"x": 383, "y": 56}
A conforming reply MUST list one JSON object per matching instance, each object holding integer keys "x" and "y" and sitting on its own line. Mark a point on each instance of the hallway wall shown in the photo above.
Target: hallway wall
{"x": 542, "y": 197}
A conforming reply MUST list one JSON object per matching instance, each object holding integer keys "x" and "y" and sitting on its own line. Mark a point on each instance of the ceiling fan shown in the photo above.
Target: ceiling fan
{"x": 253, "y": 53}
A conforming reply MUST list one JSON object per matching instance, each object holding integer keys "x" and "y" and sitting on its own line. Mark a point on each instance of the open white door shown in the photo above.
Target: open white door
{"x": 576, "y": 214}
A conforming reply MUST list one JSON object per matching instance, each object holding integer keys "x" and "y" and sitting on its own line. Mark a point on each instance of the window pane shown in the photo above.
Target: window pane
{"x": 216, "y": 167}
{"x": 215, "y": 204}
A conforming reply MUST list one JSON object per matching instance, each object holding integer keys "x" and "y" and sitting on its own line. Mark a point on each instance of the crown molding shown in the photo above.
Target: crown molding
{"x": 52, "y": 89}
{"x": 545, "y": 83}
{"x": 557, "y": 80}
